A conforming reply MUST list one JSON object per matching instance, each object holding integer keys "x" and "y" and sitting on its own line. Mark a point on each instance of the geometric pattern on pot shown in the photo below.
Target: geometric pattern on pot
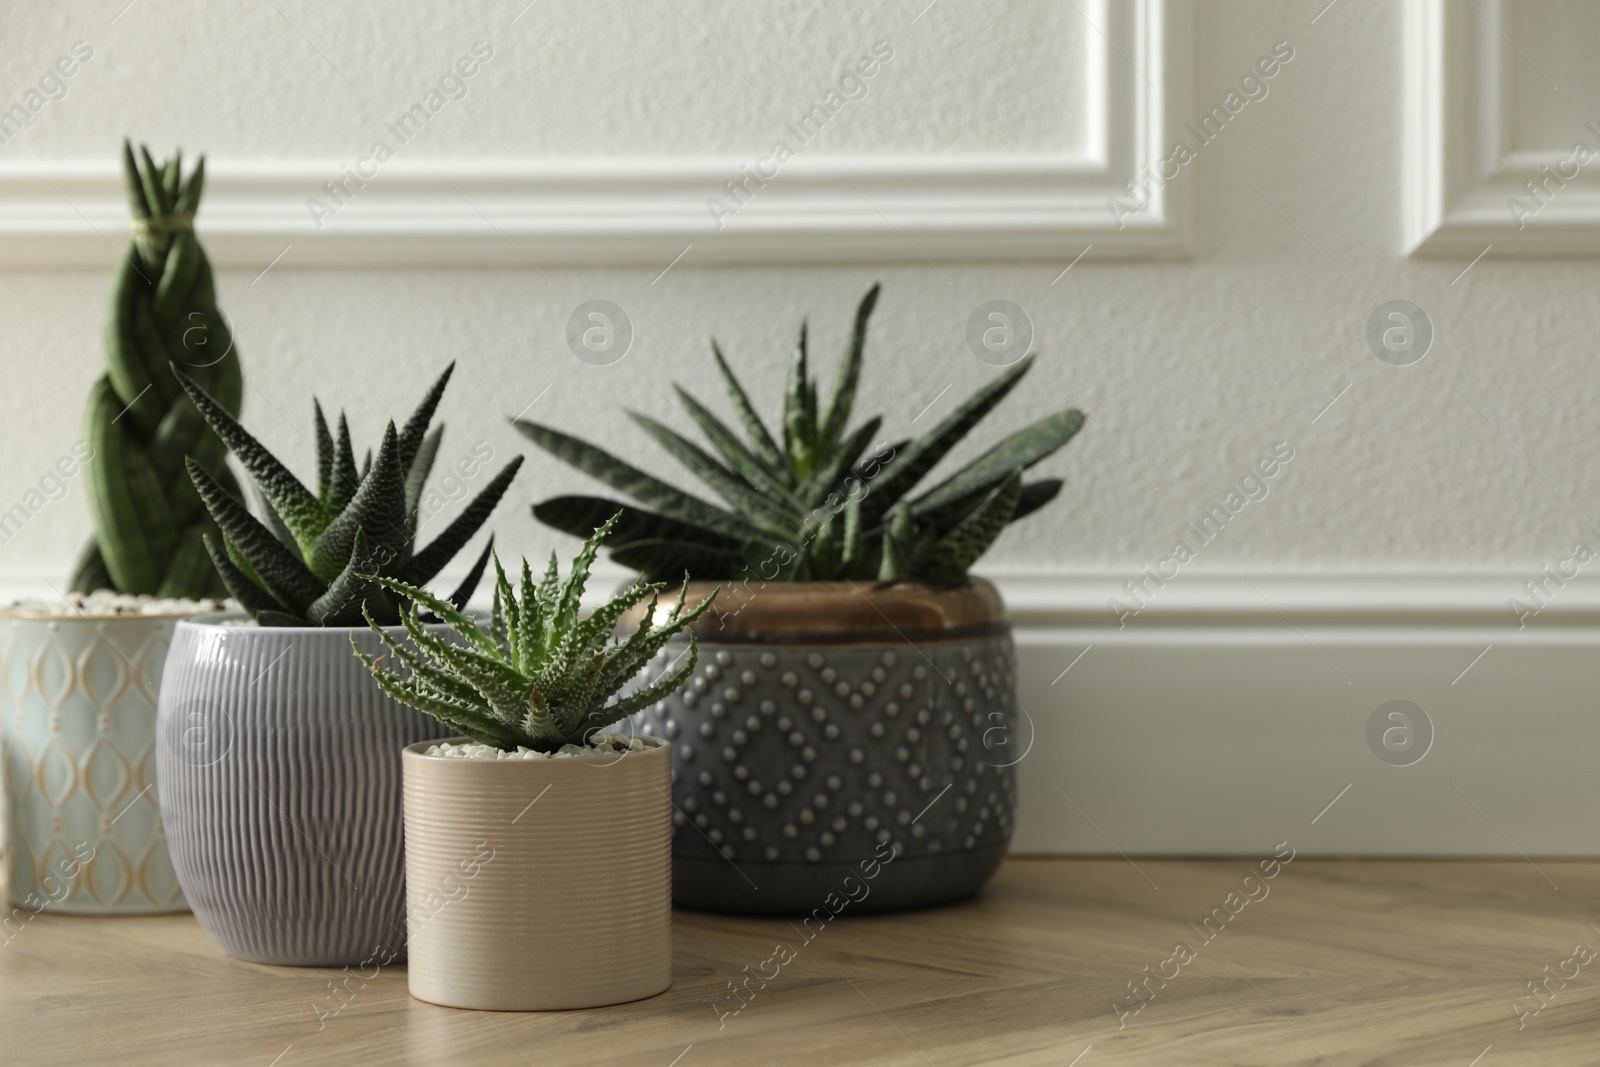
{"x": 813, "y": 754}
{"x": 79, "y": 728}
{"x": 280, "y": 765}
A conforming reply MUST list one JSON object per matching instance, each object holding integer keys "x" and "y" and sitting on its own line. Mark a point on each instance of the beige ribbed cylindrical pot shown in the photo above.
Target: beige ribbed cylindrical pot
{"x": 540, "y": 884}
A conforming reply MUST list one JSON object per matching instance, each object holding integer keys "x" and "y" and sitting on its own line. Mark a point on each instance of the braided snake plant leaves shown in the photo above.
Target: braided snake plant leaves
{"x": 317, "y": 558}
{"x": 138, "y": 427}
{"x": 541, "y": 676}
{"x": 817, "y": 499}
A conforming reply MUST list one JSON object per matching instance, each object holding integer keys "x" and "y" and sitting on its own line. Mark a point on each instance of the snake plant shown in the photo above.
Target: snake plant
{"x": 149, "y": 522}
{"x": 541, "y": 676}
{"x": 312, "y": 562}
{"x": 812, "y": 502}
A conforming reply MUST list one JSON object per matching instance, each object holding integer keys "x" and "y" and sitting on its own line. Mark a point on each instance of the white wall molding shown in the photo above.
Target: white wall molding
{"x": 1229, "y": 713}
{"x": 1460, "y": 173}
{"x": 1355, "y": 603}
{"x": 647, "y": 211}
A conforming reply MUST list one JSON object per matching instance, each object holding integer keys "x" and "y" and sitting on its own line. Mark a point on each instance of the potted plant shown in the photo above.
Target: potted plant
{"x": 279, "y": 761}
{"x": 859, "y": 684}
{"x": 82, "y": 672}
{"x": 530, "y": 695}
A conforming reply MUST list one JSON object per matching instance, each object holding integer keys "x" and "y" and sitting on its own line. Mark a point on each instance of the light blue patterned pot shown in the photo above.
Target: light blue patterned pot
{"x": 78, "y": 728}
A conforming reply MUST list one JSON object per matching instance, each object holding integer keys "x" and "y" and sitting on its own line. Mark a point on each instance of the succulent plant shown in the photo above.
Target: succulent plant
{"x": 811, "y": 503}
{"x": 149, "y": 521}
{"x": 541, "y": 676}
{"x": 314, "y": 560}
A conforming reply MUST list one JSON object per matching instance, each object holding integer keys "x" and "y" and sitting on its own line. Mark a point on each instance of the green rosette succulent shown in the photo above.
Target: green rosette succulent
{"x": 317, "y": 557}
{"x": 542, "y": 675}
{"x": 816, "y": 500}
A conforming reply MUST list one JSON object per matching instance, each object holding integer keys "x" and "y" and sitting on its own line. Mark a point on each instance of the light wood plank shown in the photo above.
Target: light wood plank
{"x": 1343, "y": 962}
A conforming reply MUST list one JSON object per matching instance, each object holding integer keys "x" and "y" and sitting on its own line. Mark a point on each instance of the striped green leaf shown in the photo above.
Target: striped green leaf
{"x": 765, "y": 448}
{"x": 579, "y": 515}
{"x": 625, "y": 478}
{"x": 724, "y": 482}
{"x": 959, "y": 549}
{"x": 251, "y": 596}
{"x": 427, "y": 563}
{"x": 300, "y": 510}
{"x": 924, "y": 453}
{"x": 1022, "y": 449}
{"x": 379, "y": 508}
{"x": 837, "y": 415}
{"x": 280, "y": 572}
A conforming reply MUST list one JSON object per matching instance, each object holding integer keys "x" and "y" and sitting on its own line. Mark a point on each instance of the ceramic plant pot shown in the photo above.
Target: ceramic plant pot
{"x": 280, "y": 767}
{"x": 78, "y": 727}
{"x": 827, "y": 719}
{"x": 539, "y": 884}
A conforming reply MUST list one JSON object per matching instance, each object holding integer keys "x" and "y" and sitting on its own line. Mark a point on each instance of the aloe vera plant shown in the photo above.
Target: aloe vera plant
{"x": 541, "y": 676}
{"x": 317, "y": 557}
{"x": 139, "y": 425}
{"x": 810, "y": 502}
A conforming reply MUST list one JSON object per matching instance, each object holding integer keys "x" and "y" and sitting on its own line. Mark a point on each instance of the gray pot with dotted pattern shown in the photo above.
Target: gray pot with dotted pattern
{"x": 826, "y": 721}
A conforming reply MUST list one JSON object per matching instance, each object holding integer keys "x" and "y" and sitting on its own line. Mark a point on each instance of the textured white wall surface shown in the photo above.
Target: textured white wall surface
{"x": 1415, "y": 500}
{"x": 1479, "y": 458}
{"x": 563, "y": 77}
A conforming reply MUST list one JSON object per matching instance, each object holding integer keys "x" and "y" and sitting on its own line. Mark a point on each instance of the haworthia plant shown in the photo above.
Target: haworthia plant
{"x": 541, "y": 676}
{"x": 817, "y": 499}
{"x": 316, "y": 559}
{"x": 149, "y": 522}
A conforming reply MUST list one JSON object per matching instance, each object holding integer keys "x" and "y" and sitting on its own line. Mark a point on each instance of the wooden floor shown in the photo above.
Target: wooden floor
{"x": 1342, "y": 963}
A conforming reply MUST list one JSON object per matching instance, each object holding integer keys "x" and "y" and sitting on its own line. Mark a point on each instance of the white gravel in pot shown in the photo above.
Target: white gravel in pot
{"x": 599, "y": 745}
{"x": 110, "y": 602}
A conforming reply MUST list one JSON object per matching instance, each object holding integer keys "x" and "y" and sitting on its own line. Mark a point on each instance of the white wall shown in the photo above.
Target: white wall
{"x": 1479, "y": 460}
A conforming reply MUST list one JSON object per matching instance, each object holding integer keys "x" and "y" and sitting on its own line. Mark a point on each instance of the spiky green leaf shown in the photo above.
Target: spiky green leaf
{"x": 280, "y": 572}
{"x": 1036, "y": 495}
{"x": 799, "y": 433}
{"x": 1022, "y": 449}
{"x": 761, "y": 442}
{"x": 416, "y": 427}
{"x": 658, "y": 558}
{"x": 325, "y": 453}
{"x": 442, "y": 549}
{"x": 830, "y": 479}
{"x": 773, "y": 488}
{"x": 724, "y": 482}
{"x": 352, "y": 593}
{"x": 346, "y": 479}
{"x": 921, "y": 455}
{"x": 579, "y": 515}
{"x": 960, "y": 548}
{"x": 459, "y": 621}
{"x": 837, "y": 415}
{"x": 625, "y": 478}
{"x": 421, "y": 467}
{"x": 379, "y": 508}
{"x": 302, "y": 512}
{"x": 250, "y": 596}
{"x": 463, "y": 591}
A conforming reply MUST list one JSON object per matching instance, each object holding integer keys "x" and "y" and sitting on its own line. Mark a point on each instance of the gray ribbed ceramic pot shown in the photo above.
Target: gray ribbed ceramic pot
{"x": 280, "y": 790}
{"x": 827, "y": 720}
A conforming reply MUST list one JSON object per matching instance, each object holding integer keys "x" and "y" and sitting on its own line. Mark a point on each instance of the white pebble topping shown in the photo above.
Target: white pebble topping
{"x": 109, "y": 602}
{"x": 599, "y": 745}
